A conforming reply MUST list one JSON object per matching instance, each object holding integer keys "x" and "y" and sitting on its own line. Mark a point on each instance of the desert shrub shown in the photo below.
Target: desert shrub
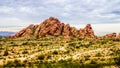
{"x": 55, "y": 52}
{"x": 18, "y": 63}
{"x": 33, "y": 44}
{"x": 1, "y": 48}
{"x": 40, "y": 44}
{"x": 93, "y": 62}
{"x": 11, "y": 42}
{"x": 37, "y": 38}
{"x": 15, "y": 63}
{"x": 98, "y": 54}
{"x": 6, "y": 53}
{"x": 85, "y": 45}
{"x": 41, "y": 57}
{"x": 28, "y": 39}
{"x": 67, "y": 52}
{"x": 87, "y": 57}
{"x": 46, "y": 65}
{"x": 14, "y": 44}
{"x": 117, "y": 40}
{"x": 44, "y": 44}
{"x": 24, "y": 43}
{"x": 77, "y": 46}
{"x": 48, "y": 56}
{"x": 72, "y": 44}
{"x": 117, "y": 60}
{"x": 9, "y": 64}
{"x": 102, "y": 59}
{"x": 91, "y": 42}
{"x": 98, "y": 42}
{"x": 25, "y": 52}
{"x": 104, "y": 42}
{"x": 81, "y": 38}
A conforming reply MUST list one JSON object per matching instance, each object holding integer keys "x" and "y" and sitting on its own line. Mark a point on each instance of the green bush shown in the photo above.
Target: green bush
{"x": 87, "y": 57}
{"x": 5, "y": 53}
{"x": 55, "y": 52}
{"x": 14, "y": 44}
{"x": 77, "y": 46}
{"x": 25, "y": 52}
{"x": 117, "y": 60}
{"x": 85, "y": 45}
{"x": 98, "y": 54}
{"x": 49, "y": 57}
{"x": 73, "y": 44}
{"x": 104, "y": 42}
{"x": 93, "y": 62}
{"x": 18, "y": 64}
{"x": 24, "y": 43}
{"x": 41, "y": 57}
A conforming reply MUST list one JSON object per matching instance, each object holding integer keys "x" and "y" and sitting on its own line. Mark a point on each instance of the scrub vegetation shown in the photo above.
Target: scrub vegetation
{"x": 54, "y": 52}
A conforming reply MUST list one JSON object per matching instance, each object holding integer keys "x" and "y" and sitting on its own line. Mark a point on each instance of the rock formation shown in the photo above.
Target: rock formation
{"x": 53, "y": 26}
{"x": 87, "y": 31}
{"x": 114, "y": 36}
{"x": 111, "y": 35}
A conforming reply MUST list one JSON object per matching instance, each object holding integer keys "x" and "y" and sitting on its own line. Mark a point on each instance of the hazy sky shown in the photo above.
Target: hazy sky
{"x": 74, "y": 12}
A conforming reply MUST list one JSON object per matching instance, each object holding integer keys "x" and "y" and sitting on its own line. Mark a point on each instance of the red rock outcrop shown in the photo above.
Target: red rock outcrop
{"x": 53, "y": 26}
{"x": 111, "y": 35}
{"x": 26, "y": 31}
{"x": 87, "y": 31}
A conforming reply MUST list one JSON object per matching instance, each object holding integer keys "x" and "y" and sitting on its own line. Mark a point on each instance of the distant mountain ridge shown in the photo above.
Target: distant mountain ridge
{"x": 6, "y": 33}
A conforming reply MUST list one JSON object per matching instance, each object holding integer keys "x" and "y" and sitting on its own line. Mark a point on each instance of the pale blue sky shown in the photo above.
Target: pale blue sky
{"x": 74, "y": 12}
